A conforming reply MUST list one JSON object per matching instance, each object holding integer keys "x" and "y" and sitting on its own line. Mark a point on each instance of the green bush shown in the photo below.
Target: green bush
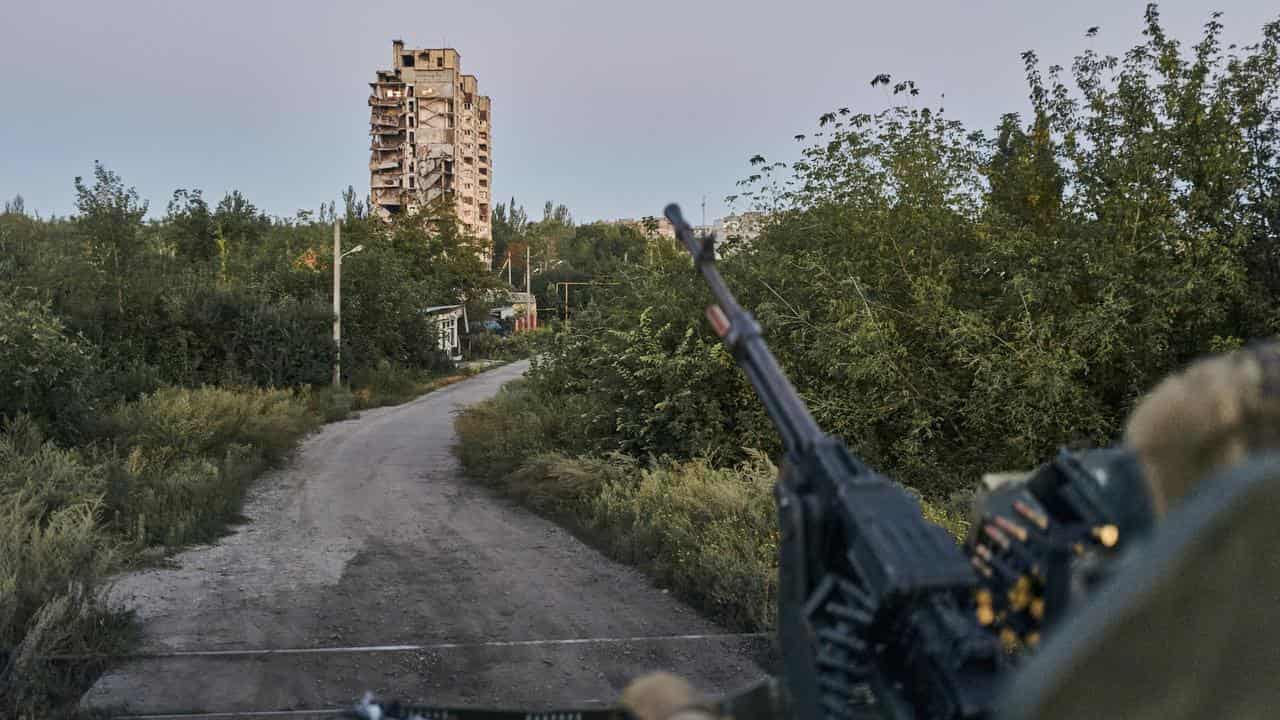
{"x": 385, "y": 380}
{"x": 204, "y": 422}
{"x": 498, "y": 435}
{"x": 329, "y": 403}
{"x": 185, "y": 457}
{"x": 45, "y": 371}
{"x": 516, "y": 346}
{"x": 53, "y": 550}
{"x": 707, "y": 532}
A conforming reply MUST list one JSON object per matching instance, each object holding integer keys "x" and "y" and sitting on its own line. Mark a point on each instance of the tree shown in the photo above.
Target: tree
{"x": 1026, "y": 181}
{"x": 545, "y": 236}
{"x": 190, "y": 227}
{"x": 355, "y": 208}
{"x": 240, "y": 222}
{"x": 509, "y": 225}
{"x": 110, "y": 221}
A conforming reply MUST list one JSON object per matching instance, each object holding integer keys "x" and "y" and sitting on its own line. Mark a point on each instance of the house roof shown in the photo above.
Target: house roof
{"x": 439, "y": 309}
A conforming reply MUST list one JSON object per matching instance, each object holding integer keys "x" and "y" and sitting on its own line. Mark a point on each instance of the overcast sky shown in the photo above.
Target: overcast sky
{"x": 612, "y": 108}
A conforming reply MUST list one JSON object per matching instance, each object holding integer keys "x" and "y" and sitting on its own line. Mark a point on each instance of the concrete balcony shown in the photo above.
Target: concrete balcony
{"x": 385, "y": 181}
{"x": 382, "y": 165}
{"x": 386, "y": 130}
{"x": 384, "y": 120}
{"x": 385, "y": 102}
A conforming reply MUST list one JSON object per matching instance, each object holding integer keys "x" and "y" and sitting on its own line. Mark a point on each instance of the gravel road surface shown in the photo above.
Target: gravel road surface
{"x": 370, "y": 537}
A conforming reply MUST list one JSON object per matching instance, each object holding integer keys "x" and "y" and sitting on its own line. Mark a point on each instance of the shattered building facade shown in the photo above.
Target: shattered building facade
{"x": 430, "y": 138}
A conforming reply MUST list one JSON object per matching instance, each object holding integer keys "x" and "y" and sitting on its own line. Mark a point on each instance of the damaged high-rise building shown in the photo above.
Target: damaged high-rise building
{"x": 430, "y": 130}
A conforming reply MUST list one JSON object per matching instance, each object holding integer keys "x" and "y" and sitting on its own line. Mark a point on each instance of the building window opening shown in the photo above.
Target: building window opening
{"x": 410, "y": 137}
{"x": 439, "y": 61}
{"x": 484, "y": 115}
{"x": 406, "y": 60}
{"x": 410, "y": 181}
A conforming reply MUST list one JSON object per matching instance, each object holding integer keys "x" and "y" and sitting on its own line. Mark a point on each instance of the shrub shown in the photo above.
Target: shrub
{"x": 708, "y": 532}
{"x": 53, "y": 551}
{"x": 498, "y": 435}
{"x": 45, "y": 372}
{"x": 182, "y": 459}
{"x": 329, "y": 403}
{"x": 178, "y": 422}
{"x": 516, "y": 346}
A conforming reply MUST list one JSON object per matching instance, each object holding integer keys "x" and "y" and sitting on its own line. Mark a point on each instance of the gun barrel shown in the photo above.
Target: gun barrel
{"x": 741, "y": 335}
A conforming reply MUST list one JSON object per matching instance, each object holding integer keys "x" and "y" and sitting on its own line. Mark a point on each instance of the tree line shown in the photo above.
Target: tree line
{"x": 105, "y": 305}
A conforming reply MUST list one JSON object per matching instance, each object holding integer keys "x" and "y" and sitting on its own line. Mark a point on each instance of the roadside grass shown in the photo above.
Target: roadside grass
{"x": 707, "y": 533}
{"x": 164, "y": 471}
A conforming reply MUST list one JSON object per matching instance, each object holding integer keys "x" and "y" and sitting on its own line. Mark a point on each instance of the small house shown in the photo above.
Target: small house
{"x": 447, "y": 319}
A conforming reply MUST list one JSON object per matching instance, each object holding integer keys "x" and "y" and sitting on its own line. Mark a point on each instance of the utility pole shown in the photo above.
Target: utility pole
{"x": 509, "y": 267}
{"x": 528, "y": 287}
{"x": 337, "y": 304}
{"x": 337, "y": 299}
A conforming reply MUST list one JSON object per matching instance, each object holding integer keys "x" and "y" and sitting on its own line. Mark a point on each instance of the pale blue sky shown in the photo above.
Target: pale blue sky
{"x": 611, "y": 108}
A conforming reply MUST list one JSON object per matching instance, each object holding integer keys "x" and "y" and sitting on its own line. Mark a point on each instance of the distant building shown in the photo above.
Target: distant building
{"x": 430, "y": 138}
{"x": 521, "y": 311}
{"x": 653, "y": 225}
{"x": 525, "y": 306}
{"x": 731, "y": 231}
{"x": 743, "y": 227}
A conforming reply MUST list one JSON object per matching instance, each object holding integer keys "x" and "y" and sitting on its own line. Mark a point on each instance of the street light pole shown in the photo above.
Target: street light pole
{"x": 337, "y": 304}
{"x": 337, "y": 299}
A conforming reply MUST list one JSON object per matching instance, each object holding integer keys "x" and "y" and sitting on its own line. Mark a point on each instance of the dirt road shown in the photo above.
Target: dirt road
{"x": 369, "y": 538}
